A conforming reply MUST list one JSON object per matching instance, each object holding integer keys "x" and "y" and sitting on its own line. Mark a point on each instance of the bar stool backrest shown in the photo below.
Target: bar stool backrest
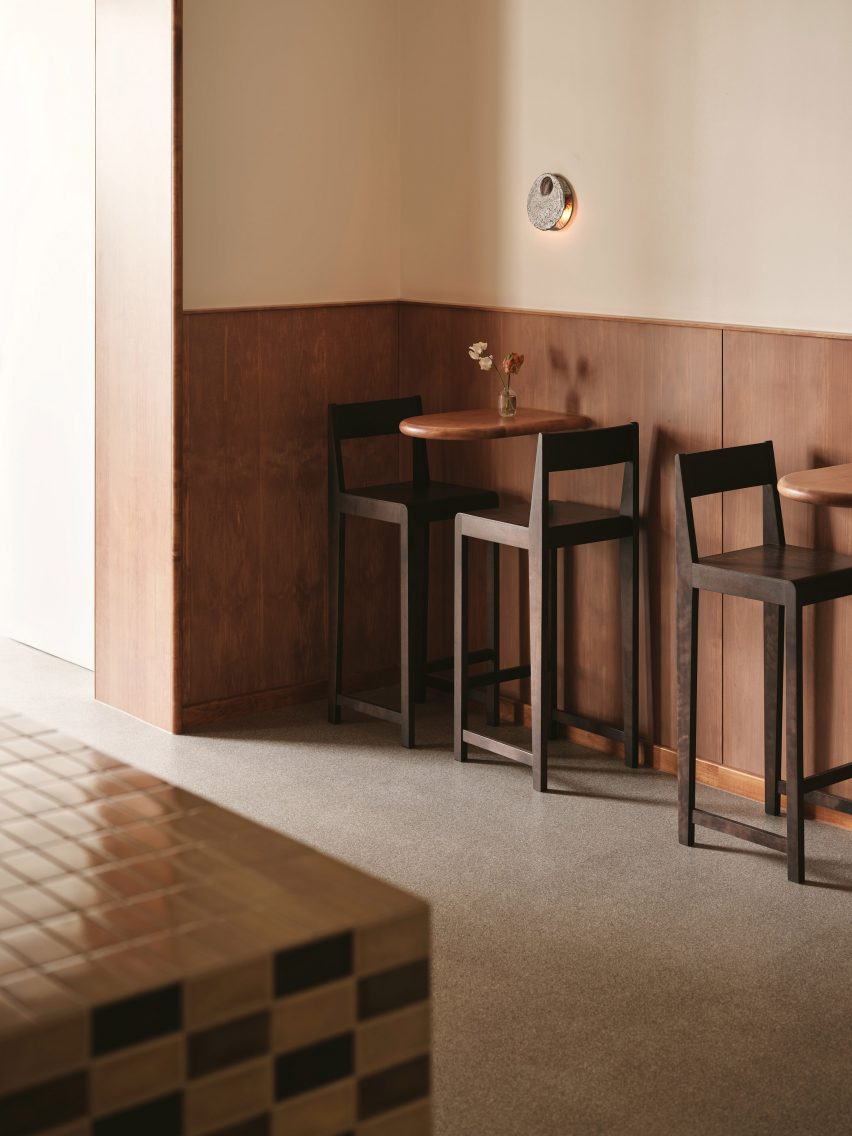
{"x": 586, "y": 449}
{"x": 723, "y": 471}
{"x": 372, "y": 420}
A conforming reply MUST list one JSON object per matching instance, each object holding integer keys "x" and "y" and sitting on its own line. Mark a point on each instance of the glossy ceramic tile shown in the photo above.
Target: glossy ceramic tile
{"x": 168, "y": 966}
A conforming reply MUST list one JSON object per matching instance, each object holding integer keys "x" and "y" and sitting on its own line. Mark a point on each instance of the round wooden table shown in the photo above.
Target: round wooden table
{"x": 470, "y": 425}
{"x": 831, "y": 485}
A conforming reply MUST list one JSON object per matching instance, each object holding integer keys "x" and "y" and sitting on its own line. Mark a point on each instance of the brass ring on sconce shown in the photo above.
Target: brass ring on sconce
{"x": 550, "y": 202}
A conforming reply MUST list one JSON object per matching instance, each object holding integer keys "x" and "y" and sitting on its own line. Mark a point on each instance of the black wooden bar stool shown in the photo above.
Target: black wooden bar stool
{"x": 413, "y": 506}
{"x": 543, "y": 527}
{"x": 785, "y": 579}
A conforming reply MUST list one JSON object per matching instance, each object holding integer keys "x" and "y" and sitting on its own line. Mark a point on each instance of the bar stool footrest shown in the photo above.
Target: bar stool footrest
{"x": 372, "y": 709}
{"x": 590, "y": 725}
{"x": 741, "y": 830}
{"x": 824, "y": 800}
{"x": 501, "y": 749}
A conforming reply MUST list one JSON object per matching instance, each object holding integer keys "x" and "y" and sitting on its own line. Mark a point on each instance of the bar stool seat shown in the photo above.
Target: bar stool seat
{"x": 433, "y": 500}
{"x": 807, "y": 571}
{"x": 510, "y": 524}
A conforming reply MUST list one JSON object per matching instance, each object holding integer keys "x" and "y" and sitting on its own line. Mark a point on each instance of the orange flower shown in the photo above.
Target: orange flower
{"x": 512, "y": 363}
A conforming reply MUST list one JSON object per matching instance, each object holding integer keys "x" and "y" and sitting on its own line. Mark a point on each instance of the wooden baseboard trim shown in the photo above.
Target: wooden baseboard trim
{"x": 659, "y": 757}
{"x": 242, "y": 705}
{"x": 654, "y": 756}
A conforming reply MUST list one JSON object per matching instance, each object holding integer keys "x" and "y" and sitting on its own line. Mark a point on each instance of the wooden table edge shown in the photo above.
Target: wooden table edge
{"x": 500, "y": 428}
{"x": 817, "y": 494}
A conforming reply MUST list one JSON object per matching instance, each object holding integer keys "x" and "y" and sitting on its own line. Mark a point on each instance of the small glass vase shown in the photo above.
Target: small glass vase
{"x": 508, "y": 403}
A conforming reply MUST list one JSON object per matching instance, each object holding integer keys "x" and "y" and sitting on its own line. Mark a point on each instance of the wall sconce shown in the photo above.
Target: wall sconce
{"x": 550, "y": 202}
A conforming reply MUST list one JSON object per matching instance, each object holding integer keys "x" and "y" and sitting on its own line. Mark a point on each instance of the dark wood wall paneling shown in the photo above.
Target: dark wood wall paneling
{"x": 256, "y": 389}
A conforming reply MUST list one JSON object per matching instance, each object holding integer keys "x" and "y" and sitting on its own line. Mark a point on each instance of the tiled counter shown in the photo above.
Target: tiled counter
{"x": 168, "y": 967}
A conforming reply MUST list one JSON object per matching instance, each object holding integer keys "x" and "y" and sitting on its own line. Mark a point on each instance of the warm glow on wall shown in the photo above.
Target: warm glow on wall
{"x": 550, "y": 202}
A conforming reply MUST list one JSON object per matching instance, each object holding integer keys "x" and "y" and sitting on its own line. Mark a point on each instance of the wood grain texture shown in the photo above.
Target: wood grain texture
{"x": 137, "y": 294}
{"x": 257, "y": 385}
{"x": 482, "y": 425}
{"x": 666, "y": 378}
{"x": 831, "y": 485}
{"x": 794, "y": 390}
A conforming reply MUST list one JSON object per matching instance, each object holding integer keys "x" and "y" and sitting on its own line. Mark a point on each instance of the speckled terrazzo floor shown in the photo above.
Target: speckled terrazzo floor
{"x": 590, "y": 976}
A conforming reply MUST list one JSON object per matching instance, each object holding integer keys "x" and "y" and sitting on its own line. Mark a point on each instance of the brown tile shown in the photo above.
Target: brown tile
{"x": 326, "y": 1112}
{"x": 10, "y": 918}
{"x": 393, "y": 989}
{"x": 78, "y": 892}
{"x": 89, "y": 981}
{"x": 228, "y": 993}
{"x": 113, "y": 845}
{"x": 8, "y": 880}
{"x": 410, "y": 1120}
{"x": 392, "y": 1088}
{"x": 123, "y": 882}
{"x": 77, "y": 856}
{"x": 140, "y": 1073}
{"x": 62, "y": 765}
{"x": 228, "y": 1096}
{"x": 61, "y": 743}
{"x": 31, "y": 832}
{"x": 392, "y": 1039}
{"x": 31, "y": 865}
{"x": 34, "y": 903}
{"x": 81, "y": 932}
{"x": 324, "y": 1011}
{"x": 10, "y": 962}
{"x": 40, "y": 996}
{"x": 21, "y": 724}
{"x": 7, "y": 844}
{"x": 22, "y": 747}
{"x": 126, "y": 920}
{"x": 34, "y": 945}
{"x": 186, "y": 956}
{"x": 138, "y": 778}
{"x": 43, "y": 1052}
{"x": 27, "y": 774}
{"x": 29, "y": 802}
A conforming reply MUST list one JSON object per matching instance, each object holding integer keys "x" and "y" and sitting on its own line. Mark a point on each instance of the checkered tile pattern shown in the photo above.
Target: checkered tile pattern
{"x": 169, "y": 967}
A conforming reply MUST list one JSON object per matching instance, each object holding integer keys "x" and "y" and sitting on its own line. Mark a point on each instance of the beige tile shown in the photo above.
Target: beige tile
{"x": 392, "y": 1039}
{"x": 40, "y": 996}
{"x": 313, "y": 1015}
{"x": 393, "y": 943}
{"x": 222, "y": 1099}
{"x": 228, "y": 993}
{"x": 137, "y": 1074}
{"x": 40, "y": 1053}
{"x": 412, "y": 1120}
{"x": 326, "y": 1112}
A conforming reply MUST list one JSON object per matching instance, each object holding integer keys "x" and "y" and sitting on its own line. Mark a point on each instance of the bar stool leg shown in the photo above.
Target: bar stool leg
{"x": 460, "y": 644}
{"x": 773, "y": 680}
{"x": 422, "y": 643}
{"x": 410, "y": 552}
{"x": 336, "y": 574}
{"x": 687, "y": 674}
{"x": 795, "y": 747}
{"x": 539, "y": 571}
{"x": 492, "y": 698}
{"x": 553, "y": 643}
{"x": 629, "y": 556}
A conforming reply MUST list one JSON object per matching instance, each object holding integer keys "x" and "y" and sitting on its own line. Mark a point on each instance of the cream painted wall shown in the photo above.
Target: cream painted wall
{"x": 47, "y": 325}
{"x": 291, "y": 151}
{"x": 363, "y": 149}
{"x": 709, "y": 143}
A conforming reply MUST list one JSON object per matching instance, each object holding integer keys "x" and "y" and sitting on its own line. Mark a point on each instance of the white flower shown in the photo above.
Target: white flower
{"x": 487, "y": 363}
{"x": 475, "y": 350}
